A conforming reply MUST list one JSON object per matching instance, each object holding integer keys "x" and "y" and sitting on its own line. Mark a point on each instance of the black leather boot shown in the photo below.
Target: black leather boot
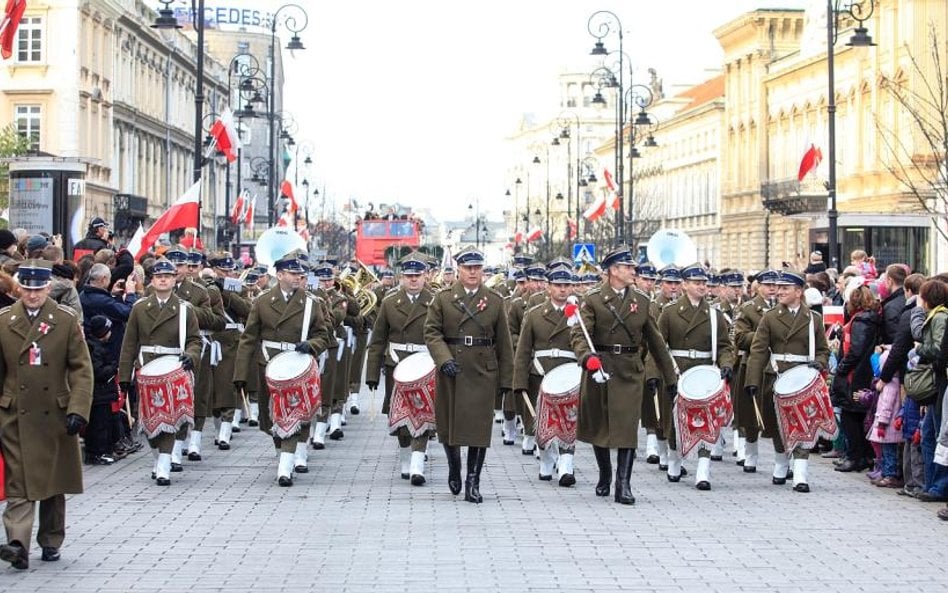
{"x": 624, "y": 463}
{"x": 475, "y": 462}
{"x": 454, "y": 468}
{"x": 605, "y": 470}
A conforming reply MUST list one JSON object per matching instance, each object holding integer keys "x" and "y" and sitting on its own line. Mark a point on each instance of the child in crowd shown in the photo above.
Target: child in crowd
{"x": 99, "y": 436}
{"x": 866, "y": 265}
{"x": 885, "y": 432}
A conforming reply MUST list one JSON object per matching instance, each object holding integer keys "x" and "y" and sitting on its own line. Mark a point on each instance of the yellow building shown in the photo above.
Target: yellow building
{"x": 776, "y": 90}
{"x": 676, "y": 184}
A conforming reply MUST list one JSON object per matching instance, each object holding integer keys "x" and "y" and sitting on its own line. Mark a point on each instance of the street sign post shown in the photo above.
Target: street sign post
{"x": 584, "y": 252}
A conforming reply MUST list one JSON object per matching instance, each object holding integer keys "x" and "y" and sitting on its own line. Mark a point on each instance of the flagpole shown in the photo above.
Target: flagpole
{"x": 198, "y": 21}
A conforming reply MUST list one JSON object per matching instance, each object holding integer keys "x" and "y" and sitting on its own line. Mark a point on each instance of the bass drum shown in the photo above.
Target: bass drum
{"x": 702, "y": 408}
{"x": 413, "y": 395}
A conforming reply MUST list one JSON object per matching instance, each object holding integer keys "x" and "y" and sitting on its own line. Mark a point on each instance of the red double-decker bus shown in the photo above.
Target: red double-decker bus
{"x": 374, "y": 236}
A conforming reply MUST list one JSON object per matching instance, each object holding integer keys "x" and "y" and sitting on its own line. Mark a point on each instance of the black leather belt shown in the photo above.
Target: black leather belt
{"x": 469, "y": 341}
{"x": 616, "y": 348}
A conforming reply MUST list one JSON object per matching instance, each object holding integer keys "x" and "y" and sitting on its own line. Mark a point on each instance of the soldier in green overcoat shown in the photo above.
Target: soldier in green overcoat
{"x": 696, "y": 334}
{"x": 669, "y": 288}
{"x": 46, "y": 375}
{"x": 616, "y": 315}
{"x": 399, "y": 332}
{"x": 789, "y": 335}
{"x": 278, "y": 323}
{"x": 467, "y": 336}
{"x": 152, "y": 331}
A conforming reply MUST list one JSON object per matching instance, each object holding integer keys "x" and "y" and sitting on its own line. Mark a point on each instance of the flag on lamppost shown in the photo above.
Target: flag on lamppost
{"x": 182, "y": 214}
{"x": 225, "y": 135}
{"x": 248, "y": 216}
{"x": 237, "y": 212}
{"x": 810, "y": 161}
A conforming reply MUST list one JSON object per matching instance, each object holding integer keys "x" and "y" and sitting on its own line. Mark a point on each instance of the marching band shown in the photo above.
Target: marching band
{"x": 553, "y": 353}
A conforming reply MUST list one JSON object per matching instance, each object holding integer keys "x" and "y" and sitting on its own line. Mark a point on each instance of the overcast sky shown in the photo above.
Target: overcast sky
{"x": 410, "y": 101}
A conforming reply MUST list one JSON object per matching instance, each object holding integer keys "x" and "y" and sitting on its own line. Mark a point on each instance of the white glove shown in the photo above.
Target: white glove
{"x": 941, "y": 455}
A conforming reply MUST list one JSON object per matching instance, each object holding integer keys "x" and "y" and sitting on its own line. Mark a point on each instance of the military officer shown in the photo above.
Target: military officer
{"x": 746, "y": 410}
{"x": 225, "y": 400}
{"x": 466, "y": 333}
{"x": 47, "y": 394}
{"x": 617, "y": 318}
{"x": 399, "y": 332}
{"x": 790, "y": 334}
{"x": 669, "y": 288}
{"x": 153, "y": 330}
{"x": 543, "y": 345}
{"x": 645, "y": 278}
{"x": 696, "y": 334}
{"x": 284, "y": 318}
{"x": 517, "y": 307}
{"x": 209, "y": 320}
{"x": 335, "y": 309}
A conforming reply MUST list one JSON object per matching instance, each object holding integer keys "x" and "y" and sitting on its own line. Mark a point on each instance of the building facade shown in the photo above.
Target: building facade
{"x": 91, "y": 80}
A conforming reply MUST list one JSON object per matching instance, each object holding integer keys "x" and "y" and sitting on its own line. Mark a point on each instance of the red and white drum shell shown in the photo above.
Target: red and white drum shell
{"x": 558, "y": 406}
{"x": 165, "y": 396}
{"x": 803, "y": 407}
{"x": 413, "y": 395}
{"x": 295, "y": 397}
{"x": 703, "y": 407}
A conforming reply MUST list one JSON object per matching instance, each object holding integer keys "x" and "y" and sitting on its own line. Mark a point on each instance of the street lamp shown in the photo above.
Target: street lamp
{"x": 295, "y": 20}
{"x": 601, "y": 23}
{"x": 642, "y": 96}
{"x": 565, "y": 120}
{"x": 516, "y": 218}
{"x": 166, "y": 21}
{"x": 860, "y": 38}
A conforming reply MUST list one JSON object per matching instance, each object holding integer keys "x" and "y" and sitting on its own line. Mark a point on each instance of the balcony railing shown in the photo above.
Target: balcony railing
{"x": 788, "y": 196}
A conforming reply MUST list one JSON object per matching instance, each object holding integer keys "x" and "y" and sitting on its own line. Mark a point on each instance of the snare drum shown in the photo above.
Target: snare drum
{"x": 804, "y": 411}
{"x": 293, "y": 383}
{"x": 413, "y": 395}
{"x": 702, "y": 408}
{"x": 558, "y": 406}
{"x": 165, "y": 396}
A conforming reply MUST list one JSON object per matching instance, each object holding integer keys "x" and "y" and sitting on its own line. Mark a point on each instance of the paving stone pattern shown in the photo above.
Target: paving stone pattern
{"x": 352, "y": 524}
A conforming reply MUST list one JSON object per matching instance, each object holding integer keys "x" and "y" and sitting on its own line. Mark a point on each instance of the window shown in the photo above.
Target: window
{"x": 29, "y": 40}
{"x": 28, "y": 124}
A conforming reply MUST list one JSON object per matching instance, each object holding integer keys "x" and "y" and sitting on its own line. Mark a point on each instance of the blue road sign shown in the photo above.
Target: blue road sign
{"x": 584, "y": 252}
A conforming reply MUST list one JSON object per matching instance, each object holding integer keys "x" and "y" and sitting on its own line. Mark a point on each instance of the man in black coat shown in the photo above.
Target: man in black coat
{"x": 97, "y": 237}
{"x": 893, "y": 304}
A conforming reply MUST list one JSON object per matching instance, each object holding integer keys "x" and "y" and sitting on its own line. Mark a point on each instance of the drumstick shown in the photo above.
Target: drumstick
{"x": 526, "y": 401}
{"x": 128, "y": 412}
{"x": 589, "y": 342}
{"x": 760, "y": 419}
{"x": 246, "y": 401}
{"x": 658, "y": 413}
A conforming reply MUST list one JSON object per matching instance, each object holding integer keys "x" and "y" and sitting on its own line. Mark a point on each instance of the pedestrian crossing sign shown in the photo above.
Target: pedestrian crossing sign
{"x": 584, "y": 253}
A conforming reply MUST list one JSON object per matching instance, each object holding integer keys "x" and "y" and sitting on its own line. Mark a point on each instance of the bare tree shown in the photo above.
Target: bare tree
{"x": 917, "y": 156}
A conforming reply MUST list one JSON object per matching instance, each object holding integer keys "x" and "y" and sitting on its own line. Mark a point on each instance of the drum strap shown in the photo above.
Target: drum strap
{"x": 550, "y": 353}
{"x": 714, "y": 335}
{"x": 307, "y": 314}
{"x": 182, "y": 325}
{"x": 811, "y": 346}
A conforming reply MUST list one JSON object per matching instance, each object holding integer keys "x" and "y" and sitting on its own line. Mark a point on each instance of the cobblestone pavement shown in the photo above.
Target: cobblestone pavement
{"x": 352, "y": 524}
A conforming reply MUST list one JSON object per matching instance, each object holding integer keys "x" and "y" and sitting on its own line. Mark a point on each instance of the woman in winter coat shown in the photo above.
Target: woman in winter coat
{"x": 934, "y": 299}
{"x": 99, "y": 437}
{"x": 854, "y": 373}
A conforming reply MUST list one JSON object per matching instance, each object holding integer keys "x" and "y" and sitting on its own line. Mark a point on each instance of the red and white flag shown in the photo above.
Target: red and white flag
{"x": 518, "y": 238}
{"x": 237, "y": 212}
{"x": 572, "y": 229}
{"x": 534, "y": 235}
{"x": 248, "y": 216}
{"x": 135, "y": 243}
{"x": 8, "y": 26}
{"x": 612, "y": 194}
{"x": 811, "y": 160}
{"x": 596, "y": 209}
{"x": 182, "y": 214}
{"x": 225, "y": 135}
{"x": 286, "y": 188}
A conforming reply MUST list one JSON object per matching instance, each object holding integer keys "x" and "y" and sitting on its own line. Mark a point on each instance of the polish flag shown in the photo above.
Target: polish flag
{"x": 248, "y": 215}
{"x": 286, "y": 189}
{"x": 518, "y": 237}
{"x": 238, "y": 210}
{"x": 612, "y": 194}
{"x": 135, "y": 243}
{"x": 182, "y": 214}
{"x": 572, "y": 229}
{"x": 225, "y": 135}
{"x": 8, "y": 26}
{"x": 534, "y": 235}
{"x": 509, "y": 246}
{"x": 811, "y": 160}
{"x": 596, "y": 209}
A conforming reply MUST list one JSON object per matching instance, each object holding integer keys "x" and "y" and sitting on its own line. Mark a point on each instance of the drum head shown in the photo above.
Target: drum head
{"x": 413, "y": 368}
{"x": 288, "y": 365}
{"x": 700, "y": 382}
{"x": 562, "y": 379}
{"x": 160, "y": 366}
{"x": 795, "y": 379}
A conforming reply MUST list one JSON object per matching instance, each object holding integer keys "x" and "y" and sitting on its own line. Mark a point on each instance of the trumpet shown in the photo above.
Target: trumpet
{"x": 358, "y": 286}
